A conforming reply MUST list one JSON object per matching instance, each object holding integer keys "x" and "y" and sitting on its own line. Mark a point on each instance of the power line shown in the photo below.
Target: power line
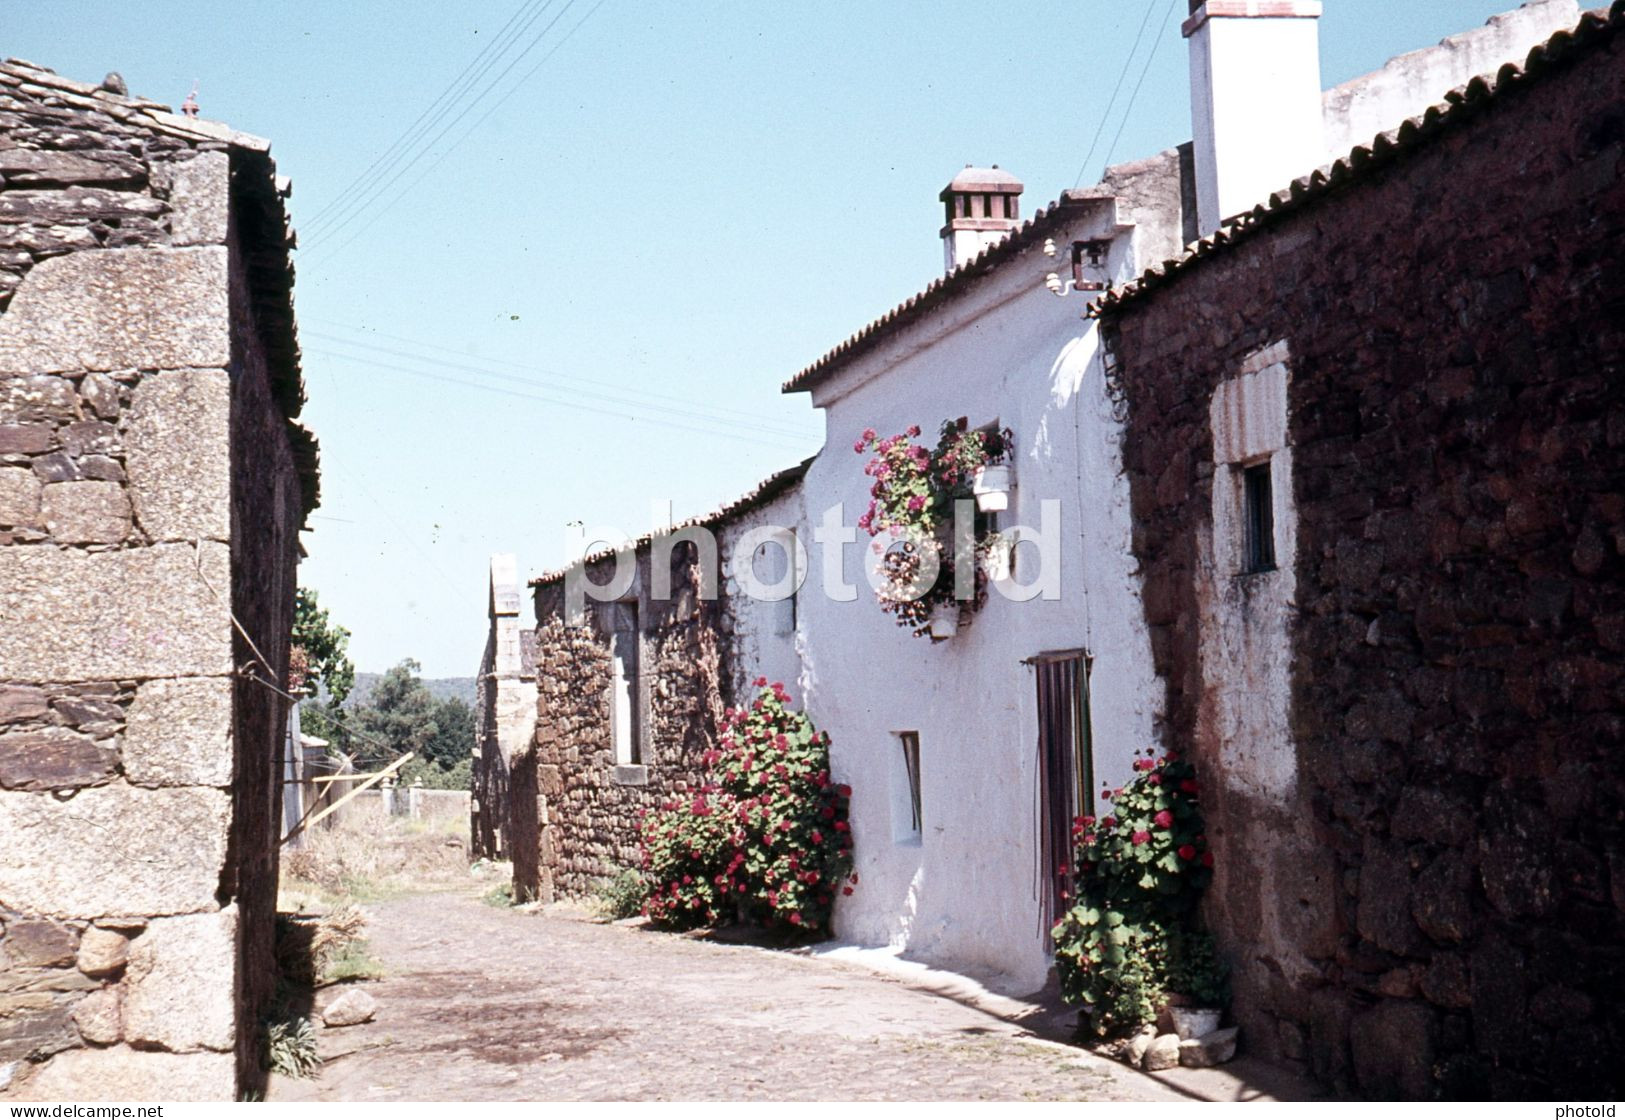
{"x": 1122, "y": 75}
{"x": 499, "y": 44}
{"x": 384, "y": 183}
{"x": 621, "y": 397}
{"x": 384, "y": 207}
{"x": 555, "y": 401}
{"x": 1161, "y": 35}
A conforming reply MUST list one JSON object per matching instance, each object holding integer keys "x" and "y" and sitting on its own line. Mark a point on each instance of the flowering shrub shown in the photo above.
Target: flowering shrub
{"x": 1131, "y": 938}
{"x": 912, "y": 498}
{"x": 768, "y": 837}
{"x": 683, "y": 845}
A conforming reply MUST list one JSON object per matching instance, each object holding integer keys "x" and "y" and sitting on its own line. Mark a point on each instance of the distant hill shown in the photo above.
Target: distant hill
{"x": 441, "y": 688}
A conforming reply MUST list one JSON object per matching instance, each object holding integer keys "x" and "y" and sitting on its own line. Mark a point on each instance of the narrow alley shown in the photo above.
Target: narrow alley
{"x": 482, "y": 1003}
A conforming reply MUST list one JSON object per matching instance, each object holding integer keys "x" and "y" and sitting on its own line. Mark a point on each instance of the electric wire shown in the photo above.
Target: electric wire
{"x": 452, "y": 93}
{"x": 620, "y": 415}
{"x": 753, "y": 416}
{"x": 385, "y": 206}
{"x": 627, "y": 399}
{"x": 1122, "y": 76}
{"x": 1146, "y": 69}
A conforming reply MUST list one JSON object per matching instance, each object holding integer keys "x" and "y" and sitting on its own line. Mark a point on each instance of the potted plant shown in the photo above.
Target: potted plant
{"x": 913, "y": 501}
{"x": 1197, "y": 983}
{"x": 994, "y": 479}
{"x": 975, "y": 463}
{"x": 996, "y": 551}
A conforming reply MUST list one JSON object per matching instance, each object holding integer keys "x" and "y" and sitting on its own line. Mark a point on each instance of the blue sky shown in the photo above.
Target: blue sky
{"x": 579, "y": 288}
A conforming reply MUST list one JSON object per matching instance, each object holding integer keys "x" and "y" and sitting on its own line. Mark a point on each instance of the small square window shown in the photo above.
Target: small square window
{"x": 1258, "y": 514}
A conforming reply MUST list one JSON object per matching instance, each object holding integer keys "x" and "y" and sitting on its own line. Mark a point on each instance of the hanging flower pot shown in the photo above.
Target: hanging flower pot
{"x": 992, "y": 486}
{"x": 944, "y": 621}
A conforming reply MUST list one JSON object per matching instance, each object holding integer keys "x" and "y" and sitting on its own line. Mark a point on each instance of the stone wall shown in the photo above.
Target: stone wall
{"x": 504, "y": 709}
{"x": 1429, "y": 898}
{"x": 586, "y": 806}
{"x": 151, "y": 484}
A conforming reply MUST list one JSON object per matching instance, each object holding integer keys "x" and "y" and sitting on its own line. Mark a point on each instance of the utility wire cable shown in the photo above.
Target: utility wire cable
{"x": 1122, "y": 76}
{"x": 458, "y": 87}
{"x": 753, "y": 416}
{"x": 619, "y": 415}
{"x": 626, "y": 398}
{"x": 385, "y": 183}
{"x": 439, "y": 159}
{"x": 1146, "y": 69}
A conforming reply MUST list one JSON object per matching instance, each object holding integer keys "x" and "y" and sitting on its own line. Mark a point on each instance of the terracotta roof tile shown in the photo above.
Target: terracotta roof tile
{"x": 764, "y": 492}
{"x": 1044, "y": 222}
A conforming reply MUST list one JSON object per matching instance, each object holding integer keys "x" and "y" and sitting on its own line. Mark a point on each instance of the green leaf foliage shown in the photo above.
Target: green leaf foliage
{"x": 1132, "y": 936}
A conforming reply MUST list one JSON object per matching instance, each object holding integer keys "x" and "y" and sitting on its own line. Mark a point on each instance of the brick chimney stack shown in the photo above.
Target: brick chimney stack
{"x": 1255, "y": 100}
{"x": 982, "y": 208}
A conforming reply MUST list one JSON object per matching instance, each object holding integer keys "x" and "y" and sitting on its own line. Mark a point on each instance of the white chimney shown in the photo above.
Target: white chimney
{"x": 1255, "y": 101}
{"x": 982, "y": 208}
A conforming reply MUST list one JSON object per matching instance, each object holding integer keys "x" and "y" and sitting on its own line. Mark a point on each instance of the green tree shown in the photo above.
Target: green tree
{"x": 321, "y": 649}
{"x": 399, "y": 716}
{"x": 453, "y": 740}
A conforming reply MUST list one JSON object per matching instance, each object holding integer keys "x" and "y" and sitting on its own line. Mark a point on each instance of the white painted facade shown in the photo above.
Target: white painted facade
{"x": 1255, "y": 101}
{"x": 966, "y": 889}
{"x": 763, "y": 633}
{"x": 1358, "y": 110}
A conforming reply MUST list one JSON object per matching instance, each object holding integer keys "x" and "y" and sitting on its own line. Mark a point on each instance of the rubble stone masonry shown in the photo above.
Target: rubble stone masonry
{"x": 586, "y": 807}
{"x": 151, "y": 485}
{"x": 1435, "y": 906}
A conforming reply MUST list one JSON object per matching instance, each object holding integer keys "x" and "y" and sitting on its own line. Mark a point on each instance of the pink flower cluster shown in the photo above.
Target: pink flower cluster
{"x": 775, "y": 842}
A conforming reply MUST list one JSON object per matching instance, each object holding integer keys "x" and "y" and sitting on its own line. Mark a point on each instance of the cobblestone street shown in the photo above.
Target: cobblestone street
{"x": 488, "y": 1004}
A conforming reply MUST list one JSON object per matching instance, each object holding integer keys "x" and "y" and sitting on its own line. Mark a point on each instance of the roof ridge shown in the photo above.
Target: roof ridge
{"x": 943, "y": 286}
{"x": 764, "y": 491}
{"x": 151, "y": 114}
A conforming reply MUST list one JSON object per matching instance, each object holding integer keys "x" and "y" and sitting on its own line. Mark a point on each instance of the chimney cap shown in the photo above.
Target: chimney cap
{"x": 983, "y": 180}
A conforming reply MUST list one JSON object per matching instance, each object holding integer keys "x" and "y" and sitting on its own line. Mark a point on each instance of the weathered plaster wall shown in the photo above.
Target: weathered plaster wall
{"x": 147, "y": 489}
{"x": 1405, "y": 86}
{"x": 761, "y": 636}
{"x": 1451, "y": 864}
{"x": 575, "y": 811}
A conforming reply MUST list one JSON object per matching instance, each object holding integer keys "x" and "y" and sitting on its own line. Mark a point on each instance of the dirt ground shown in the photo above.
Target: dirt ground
{"x": 485, "y": 1003}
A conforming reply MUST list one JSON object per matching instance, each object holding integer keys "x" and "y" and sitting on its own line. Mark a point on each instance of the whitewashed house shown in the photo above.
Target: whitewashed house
{"x": 968, "y": 758}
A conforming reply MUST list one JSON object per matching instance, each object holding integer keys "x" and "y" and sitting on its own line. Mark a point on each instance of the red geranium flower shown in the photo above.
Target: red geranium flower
{"x": 1164, "y": 819}
{"x": 1142, "y": 837}
{"x": 1187, "y": 851}
{"x": 1207, "y": 859}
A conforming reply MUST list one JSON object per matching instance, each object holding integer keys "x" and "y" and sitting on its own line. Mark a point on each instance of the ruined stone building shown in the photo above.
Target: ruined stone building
{"x": 504, "y": 709}
{"x": 632, "y": 689}
{"x": 1333, "y": 496}
{"x": 153, "y": 480}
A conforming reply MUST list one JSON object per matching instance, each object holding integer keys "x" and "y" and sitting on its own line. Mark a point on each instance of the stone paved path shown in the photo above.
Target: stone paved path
{"x": 489, "y": 1004}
